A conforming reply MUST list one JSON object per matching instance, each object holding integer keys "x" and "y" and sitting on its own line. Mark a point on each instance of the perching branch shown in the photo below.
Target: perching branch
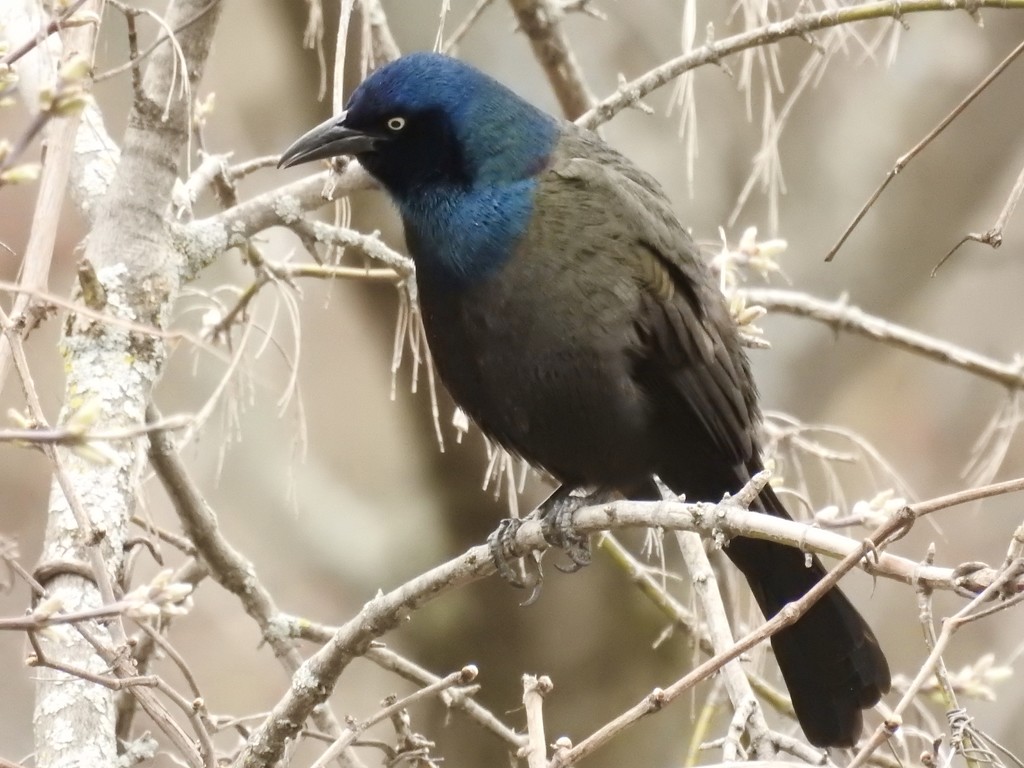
{"x": 316, "y": 678}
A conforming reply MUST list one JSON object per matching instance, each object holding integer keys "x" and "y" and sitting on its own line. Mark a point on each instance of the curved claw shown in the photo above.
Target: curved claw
{"x": 537, "y": 583}
{"x": 574, "y": 565}
{"x": 500, "y": 544}
{"x": 576, "y": 548}
{"x": 556, "y": 516}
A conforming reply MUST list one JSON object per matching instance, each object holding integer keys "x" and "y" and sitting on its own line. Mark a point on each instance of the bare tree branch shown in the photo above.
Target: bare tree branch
{"x": 709, "y": 595}
{"x": 204, "y": 240}
{"x": 964, "y": 616}
{"x": 993, "y": 236}
{"x": 136, "y": 266}
{"x": 227, "y": 566}
{"x": 345, "y": 740}
{"x": 799, "y": 26}
{"x": 914, "y": 151}
{"x": 534, "y": 690}
{"x": 315, "y": 680}
{"x": 541, "y": 21}
{"x": 62, "y": 133}
{"x": 842, "y": 316}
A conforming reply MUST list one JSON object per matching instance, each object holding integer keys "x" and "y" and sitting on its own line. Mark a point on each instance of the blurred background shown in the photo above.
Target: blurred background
{"x": 367, "y": 500}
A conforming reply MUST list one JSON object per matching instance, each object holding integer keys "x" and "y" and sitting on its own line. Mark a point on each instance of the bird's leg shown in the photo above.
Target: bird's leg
{"x": 500, "y": 544}
{"x": 556, "y": 518}
{"x": 555, "y": 515}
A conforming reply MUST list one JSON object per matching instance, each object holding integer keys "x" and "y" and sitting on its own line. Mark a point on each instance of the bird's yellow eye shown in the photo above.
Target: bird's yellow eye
{"x": 396, "y": 123}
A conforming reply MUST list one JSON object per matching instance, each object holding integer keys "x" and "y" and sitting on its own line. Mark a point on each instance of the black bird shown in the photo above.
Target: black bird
{"x": 572, "y": 317}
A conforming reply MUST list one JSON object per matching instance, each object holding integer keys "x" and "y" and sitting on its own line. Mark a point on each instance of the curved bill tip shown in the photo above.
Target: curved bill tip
{"x": 329, "y": 139}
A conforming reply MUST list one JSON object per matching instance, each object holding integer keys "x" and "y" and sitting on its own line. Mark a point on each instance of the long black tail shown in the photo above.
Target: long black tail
{"x": 830, "y": 659}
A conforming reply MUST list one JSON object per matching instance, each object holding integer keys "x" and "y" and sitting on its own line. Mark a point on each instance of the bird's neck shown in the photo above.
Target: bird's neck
{"x": 458, "y": 236}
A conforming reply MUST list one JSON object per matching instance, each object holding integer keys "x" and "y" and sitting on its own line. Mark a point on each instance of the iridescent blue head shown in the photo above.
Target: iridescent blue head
{"x": 428, "y": 120}
{"x": 459, "y": 153}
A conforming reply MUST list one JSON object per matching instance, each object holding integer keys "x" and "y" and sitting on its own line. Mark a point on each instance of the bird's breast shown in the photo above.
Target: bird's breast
{"x": 542, "y": 364}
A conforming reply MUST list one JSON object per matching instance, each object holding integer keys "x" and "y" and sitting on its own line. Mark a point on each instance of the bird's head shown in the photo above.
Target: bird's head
{"x": 427, "y": 120}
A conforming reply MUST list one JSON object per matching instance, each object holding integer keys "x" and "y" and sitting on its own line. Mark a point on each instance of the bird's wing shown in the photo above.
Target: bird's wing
{"x": 691, "y": 351}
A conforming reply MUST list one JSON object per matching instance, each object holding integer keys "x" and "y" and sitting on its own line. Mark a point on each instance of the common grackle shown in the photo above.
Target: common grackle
{"x": 572, "y": 317}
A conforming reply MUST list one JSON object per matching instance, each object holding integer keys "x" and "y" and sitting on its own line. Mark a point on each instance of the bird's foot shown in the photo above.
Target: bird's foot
{"x": 501, "y": 544}
{"x": 556, "y": 516}
{"x": 556, "y": 519}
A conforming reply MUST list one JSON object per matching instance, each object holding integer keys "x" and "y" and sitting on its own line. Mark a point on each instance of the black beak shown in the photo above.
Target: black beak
{"x": 329, "y": 139}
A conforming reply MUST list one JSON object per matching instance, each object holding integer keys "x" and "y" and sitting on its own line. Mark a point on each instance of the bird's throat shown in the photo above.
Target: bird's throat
{"x": 461, "y": 236}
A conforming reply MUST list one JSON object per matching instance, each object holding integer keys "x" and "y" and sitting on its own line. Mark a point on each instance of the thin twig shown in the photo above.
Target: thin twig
{"x": 143, "y": 647}
{"x": 799, "y": 26}
{"x": 456, "y": 698}
{"x": 385, "y": 658}
{"x": 925, "y": 616}
{"x": 345, "y": 740}
{"x": 188, "y": 708}
{"x": 965, "y": 615}
{"x": 383, "y": 47}
{"x": 204, "y": 240}
{"x": 465, "y": 25}
{"x": 147, "y": 700}
{"x": 682, "y": 618}
{"x": 74, "y": 434}
{"x": 904, "y": 159}
{"x": 709, "y": 595}
{"x": 55, "y": 25}
{"x": 53, "y": 184}
{"x": 105, "y": 318}
{"x": 166, "y": 36}
{"x": 842, "y": 316}
{"x": 227, "y": 566}
{"x": 992, "y": 237}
